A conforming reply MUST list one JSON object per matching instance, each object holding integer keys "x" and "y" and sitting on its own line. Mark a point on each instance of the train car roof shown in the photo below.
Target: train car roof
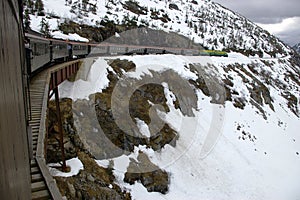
{"x": 39, "y": 36}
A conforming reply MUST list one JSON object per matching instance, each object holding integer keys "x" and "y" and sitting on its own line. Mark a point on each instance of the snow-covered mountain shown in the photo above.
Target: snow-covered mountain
{"x": 233, "y": 121}
{"x": 203, "y": 21}
{"x": 297, "y": 47}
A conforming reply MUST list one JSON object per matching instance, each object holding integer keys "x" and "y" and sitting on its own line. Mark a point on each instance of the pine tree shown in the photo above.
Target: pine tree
{"x": 39, "y": 7}
{"x": 93, "y": 8}
{"x": 45, "y": 28}
{"x": 30, "y": 6}
{"x": 26, "y": 19}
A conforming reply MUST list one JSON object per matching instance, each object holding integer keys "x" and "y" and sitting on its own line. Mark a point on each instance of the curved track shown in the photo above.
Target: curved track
{"x": 43, "y": 185}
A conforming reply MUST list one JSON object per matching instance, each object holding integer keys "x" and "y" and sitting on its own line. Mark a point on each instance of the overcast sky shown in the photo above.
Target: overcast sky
{"x": 280, "y": 17}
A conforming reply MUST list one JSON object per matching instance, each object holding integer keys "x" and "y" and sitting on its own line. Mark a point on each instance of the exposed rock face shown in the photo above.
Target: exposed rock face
{"x": 71, "y": 140}
{"x": 151, "y": 176}
{"x": 94, "y": 182}
{"x": 139, "y": 107}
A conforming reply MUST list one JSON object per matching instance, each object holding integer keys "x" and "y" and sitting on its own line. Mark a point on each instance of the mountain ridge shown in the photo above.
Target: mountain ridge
{"x": 255, "y": 154}
{"x": 296, "y": 47}
{"x": 205, "y": 22}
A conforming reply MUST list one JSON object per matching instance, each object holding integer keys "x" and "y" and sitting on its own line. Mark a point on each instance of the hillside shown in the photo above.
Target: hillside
{"x": 297, "y": 47}
{"x": 229, "y": 126}
{"x": 204, "y": 22}
{"x": 173, "y": 126}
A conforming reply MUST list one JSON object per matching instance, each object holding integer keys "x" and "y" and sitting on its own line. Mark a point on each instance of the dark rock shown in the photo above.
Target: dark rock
{"x": 150, "y": 175}
{"x": 173, "y": 6}
{"x": 90, "y": 178}
{"x": 72, "y": 190}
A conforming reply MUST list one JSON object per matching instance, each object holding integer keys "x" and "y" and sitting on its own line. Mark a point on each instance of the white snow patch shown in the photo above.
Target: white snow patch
{"x": 75, "y": 165}
{"x": 143, "y": 127}
{"x": 70, "y": 36}
{"x": 81, "y": 89}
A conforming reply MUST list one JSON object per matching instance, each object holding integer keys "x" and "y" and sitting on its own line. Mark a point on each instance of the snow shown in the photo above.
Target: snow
{"x": 232, "y": 168}
{"x": 95, "y": 80}
{"x": 117, "y": 34}
{"x": 72, "y": 37}
{"x": 154, "y": 62}
{"x": 213, "y": 26}
{"x": 75, "y": 166}
{"x": 143, "y": 127}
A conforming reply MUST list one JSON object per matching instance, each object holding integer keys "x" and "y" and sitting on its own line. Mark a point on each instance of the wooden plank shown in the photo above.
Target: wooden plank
{"x": 36, "y": 186}
{"x": 41, "y": 195}
{"x": 49, "y": 180}
{"x": 33, "y": 163}
{"x": 35, "y": 170}
{"x": 34, "y": 122}
{"x": 36, "y": 177}
{"x": 35, "y": 137}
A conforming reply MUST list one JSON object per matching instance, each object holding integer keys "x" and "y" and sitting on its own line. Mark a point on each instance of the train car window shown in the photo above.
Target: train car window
{"x": 79, "y": 47}
{"x": 39, "y": 48}
{"x": 75, "y": 47}
{"x": 34, "y": 51}
{"x": 46, "y": 48}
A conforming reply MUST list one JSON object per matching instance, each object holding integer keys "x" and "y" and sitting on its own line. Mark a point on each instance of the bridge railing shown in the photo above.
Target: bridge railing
{"x": 54, "y": 77}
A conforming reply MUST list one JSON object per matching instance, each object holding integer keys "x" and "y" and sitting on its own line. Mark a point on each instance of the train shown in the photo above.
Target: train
{"x": 42, "y": 51}
{"x": 213, "y": 53}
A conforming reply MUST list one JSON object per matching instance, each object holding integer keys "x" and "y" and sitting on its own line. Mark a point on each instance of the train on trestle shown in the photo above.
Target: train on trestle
{"x": 41, "y": 52}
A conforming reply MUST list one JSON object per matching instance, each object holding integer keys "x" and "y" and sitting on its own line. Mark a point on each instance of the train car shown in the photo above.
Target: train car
{"x": 155, "y": 51}
{"x": 213, "y": 53}
{"x": 59, "y": 50}
{"x": 79, "y": 49}
{"x": 97, "y": 49}
{"x": 14, "y": 135}
{"x": 174, "y": 51}
{"x": 44, "y": 51}
{"x": 117, "y": 50}
{"x": 40, "y": 52}
{"x": 191, "y": 52}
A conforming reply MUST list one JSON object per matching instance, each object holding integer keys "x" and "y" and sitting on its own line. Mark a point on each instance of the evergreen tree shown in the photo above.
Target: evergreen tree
{"x": 45, "y": 28}
{"x": 30, "y": 6}
{"x": 93, "y": 8}
{"x": 26, "y": 19}
{"x": 39, "y": 7}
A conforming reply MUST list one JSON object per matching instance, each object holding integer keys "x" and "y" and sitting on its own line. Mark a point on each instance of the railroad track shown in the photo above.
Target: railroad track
{"x": 39, "y": 189}
{"x": 43, "y": 186}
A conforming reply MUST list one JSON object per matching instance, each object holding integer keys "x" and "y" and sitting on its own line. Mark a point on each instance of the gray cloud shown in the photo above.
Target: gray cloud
{"x": 290, "y": 37}
{"x": 268, "y": 12}
{"x": 264, "y": 11}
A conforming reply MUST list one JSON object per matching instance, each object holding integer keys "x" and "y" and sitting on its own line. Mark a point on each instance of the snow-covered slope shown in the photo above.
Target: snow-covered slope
{"x": 297, "y": 47}
{"x": 256, "y": 151}
{"x": 203, "y": 21}
{"x": 241, "y": 140}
